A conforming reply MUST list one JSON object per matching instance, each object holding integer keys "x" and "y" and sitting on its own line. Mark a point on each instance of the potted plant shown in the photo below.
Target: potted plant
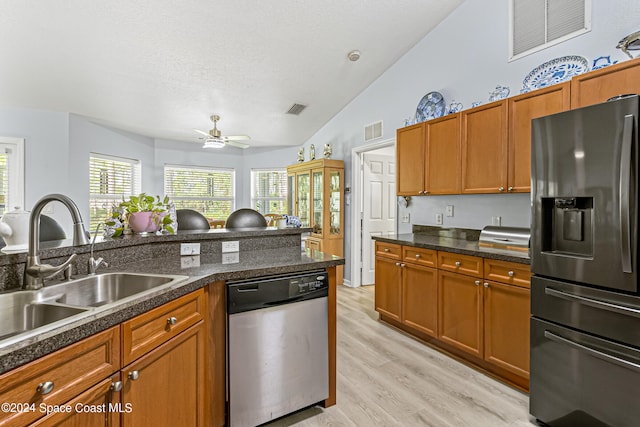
{"x": 144, "y": 213}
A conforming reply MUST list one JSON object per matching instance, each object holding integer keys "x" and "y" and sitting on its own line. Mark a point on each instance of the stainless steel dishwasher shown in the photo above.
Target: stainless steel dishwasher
{"x": 278, "y": 356}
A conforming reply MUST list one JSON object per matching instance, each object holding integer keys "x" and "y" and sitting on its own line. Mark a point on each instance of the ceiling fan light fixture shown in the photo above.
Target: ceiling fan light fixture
{"x": 213, "y": 143}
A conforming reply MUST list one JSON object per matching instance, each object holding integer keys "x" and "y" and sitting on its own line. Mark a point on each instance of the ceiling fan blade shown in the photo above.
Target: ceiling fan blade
{"x": 237, "y": 137}
{"x": 236, "y": 144}
{"x": 202, "y": 132}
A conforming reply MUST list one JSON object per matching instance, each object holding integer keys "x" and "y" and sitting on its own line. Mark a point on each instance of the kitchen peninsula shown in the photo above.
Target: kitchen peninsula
{"x": 177, "y": 331}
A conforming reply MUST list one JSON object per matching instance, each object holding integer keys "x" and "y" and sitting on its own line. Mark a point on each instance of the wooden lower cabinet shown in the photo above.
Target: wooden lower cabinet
{"x": 97, "y": 407}
{"x": 166, "y": 387}
{"x": 460, "y": 312}
{"x": 388, "y": 297}
{"x": 506, "y": 319}
{"x": 420, "y": 298}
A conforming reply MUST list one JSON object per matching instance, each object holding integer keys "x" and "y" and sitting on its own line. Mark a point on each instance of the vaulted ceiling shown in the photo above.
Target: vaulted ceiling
{"x": 161, "y": 68}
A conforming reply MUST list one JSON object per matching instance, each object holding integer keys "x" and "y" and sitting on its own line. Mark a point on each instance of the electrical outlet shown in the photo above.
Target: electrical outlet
{"x": 190, "y": 261}
{"x": 189, "y": 248}
{"x": 231, "y": 258}
{"x": 232, "y": 246}
{"x": 449, "y": 211}
{"x": 438, "y": 219}
{"x": 406, "y": 217}
{"x": 496, "y": 220}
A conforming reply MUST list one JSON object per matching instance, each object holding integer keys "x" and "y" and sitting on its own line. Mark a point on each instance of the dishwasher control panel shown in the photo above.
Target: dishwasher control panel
{"x": 306, "y": 284}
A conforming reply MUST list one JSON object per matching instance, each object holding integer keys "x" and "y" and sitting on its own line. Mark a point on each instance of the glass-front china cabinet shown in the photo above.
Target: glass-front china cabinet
{"x": 315, "y": 196}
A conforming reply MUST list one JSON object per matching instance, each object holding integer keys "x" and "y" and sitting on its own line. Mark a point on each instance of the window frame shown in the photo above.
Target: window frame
{"x": 16, "y": 173}
{"x": 135, "y": 188}
{"x": 254, "y": 199}
{"x": 211, "y": 169}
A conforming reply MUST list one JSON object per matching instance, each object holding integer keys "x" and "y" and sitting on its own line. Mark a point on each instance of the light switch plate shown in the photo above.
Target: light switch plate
{"x": 189, "y": 249}
{"x": 232, "y": 246}
{"x": 190, "y": 261}
{"x": 231, "y": 258}
{"x": 449, "y": 210}
{"x": 496, "y": 220}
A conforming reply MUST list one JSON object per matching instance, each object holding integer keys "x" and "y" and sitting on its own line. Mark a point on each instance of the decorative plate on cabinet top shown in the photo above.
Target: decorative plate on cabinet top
{"x": 555, "y": 71}
{"x": 430, "y": 107}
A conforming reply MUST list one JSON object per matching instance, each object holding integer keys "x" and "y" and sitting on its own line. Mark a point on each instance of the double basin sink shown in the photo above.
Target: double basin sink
{"x": 25, "y": 311}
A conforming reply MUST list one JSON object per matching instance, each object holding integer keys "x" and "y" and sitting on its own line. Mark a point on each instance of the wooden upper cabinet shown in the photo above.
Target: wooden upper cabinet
{"x": 522, "y": 109}
{"x": 598, "y": 86}
{"x": 443, "y": 155}
{"x": 410, "y": 158}
{"x": 484, "y": 148}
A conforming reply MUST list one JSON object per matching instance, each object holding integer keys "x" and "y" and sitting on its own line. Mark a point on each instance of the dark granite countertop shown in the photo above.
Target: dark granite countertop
{"x": 457, "y": 241}
{"x": 201, "y": 270}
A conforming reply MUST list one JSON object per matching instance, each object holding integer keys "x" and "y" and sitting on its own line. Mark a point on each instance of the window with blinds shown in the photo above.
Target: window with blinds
{"x": 111, "y": 180}
{"x": 208, "y": 191}
{"x": 11, "y": 174}
{"x": 538, "y": 24}
{"x": 269, "y": 190}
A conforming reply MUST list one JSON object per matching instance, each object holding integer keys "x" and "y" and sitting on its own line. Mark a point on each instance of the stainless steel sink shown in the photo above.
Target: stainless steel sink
{"x": 24, "y": 311}
{"x": 19, "y": 313}
{"x": 98, "y": 290}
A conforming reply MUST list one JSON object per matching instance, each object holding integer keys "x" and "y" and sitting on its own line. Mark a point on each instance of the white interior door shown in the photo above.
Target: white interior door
{"x": 378, "y": 206}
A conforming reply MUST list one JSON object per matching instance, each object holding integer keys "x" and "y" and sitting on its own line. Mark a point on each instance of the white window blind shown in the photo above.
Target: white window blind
{"x": 537, "y": 24}
{"x": 11, "y": 174}
{"x": 208, "y": 191}
{"x": 269, "y": 190}
{"x": 111, "y": 179}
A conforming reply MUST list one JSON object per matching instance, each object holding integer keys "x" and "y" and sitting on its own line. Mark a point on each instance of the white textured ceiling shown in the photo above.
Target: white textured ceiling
{"x": 161, "y": 67}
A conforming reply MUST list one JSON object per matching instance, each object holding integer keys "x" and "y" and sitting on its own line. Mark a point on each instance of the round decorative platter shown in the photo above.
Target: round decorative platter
{"x": 430, "y": 107}
{"x": 555, "y": 71}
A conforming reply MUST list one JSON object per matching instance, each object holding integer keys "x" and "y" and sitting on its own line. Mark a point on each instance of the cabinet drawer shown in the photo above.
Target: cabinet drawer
{"x": 463, "y": 264}
{"x": 388, "y": 250}
{"x": 507, "y": 272}
{"x": 314, "y": 244}
{"x": 70, "y": 371}
{"x": 147, "y": 331}
{"x": 420, "y": 256}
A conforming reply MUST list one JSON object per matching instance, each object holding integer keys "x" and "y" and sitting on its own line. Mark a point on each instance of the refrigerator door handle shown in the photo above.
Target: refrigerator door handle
{"x": 621, "y": 309}
{"x": 624, "y": 193}
{"x": 596, "y": 353}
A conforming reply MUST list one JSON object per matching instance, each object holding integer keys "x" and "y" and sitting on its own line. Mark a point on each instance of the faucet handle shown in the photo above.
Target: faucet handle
{"x": 45, "y": 271}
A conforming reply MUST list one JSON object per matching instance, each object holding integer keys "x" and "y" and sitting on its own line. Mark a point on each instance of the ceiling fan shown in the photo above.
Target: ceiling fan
{"x": 214, "y": 138}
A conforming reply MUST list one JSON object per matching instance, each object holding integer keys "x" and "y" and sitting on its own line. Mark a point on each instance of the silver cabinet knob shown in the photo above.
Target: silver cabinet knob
{"x": 172, "y": 320}
{"x": 501, "y": 189}
{"x": 116, "y": 386}
{"x": 477, "y": 282}
{"x": 386, "y": 249}
{"x": 458, "y": 263}
{"x": 486, "y": 285}
{"x": 425, "y": 192}
{"x": 397, "y": 264}
{"x": 45, "y": 387}
{"x": 402, "y": 265}
{"x": 510, "y": 273}
{"x": 133, "y": 375}
{"x": 417, "y": 255}
{"x": 510, "y": 189}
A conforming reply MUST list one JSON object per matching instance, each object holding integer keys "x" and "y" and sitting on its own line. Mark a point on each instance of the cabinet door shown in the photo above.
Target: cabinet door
{"x": 420, "y": 298}
{"x": 484, "y": 148}
{"x": 311, "y": 243}
{"x": 166, "y": 387}
{"x": 506, "y": 319}
{"x": 303, "y": 194}
{"x": 96, "y": 407}
{"x": 522, "y": 109}
{"x": 388, "y": 292}
{"x": 460, "y": 313}
{"x": 598, "y": 86}
{"x": 410, "y": 152}
{"x": 334, "y": 184}
{"x": 443, "y": 155}
{"x": 318, "y": 197}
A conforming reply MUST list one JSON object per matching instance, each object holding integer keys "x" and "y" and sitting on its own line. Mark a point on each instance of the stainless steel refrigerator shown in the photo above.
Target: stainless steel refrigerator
{"x": 585, "y": 304}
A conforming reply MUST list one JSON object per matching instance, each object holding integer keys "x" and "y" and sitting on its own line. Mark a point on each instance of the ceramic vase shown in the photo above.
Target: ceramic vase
{"x": 143, "y": 222}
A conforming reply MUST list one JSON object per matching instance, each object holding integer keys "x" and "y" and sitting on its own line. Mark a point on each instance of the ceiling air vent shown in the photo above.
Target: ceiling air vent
{"x": 373, "y": 131}
{"x": 296, "y": 109}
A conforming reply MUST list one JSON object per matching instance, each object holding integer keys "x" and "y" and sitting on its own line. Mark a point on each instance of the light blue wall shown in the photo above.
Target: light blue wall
{"x": 464, "y": 58}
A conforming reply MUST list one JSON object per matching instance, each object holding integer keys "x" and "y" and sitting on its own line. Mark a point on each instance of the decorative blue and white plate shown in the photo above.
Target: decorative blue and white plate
{"x": 555, "y": 71}
{"x": 430, "y": 107}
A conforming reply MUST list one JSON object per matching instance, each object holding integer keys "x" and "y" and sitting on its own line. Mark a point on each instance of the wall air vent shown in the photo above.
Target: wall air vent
{"x": 373, "y": 131}
{"x": 296, "y": 109}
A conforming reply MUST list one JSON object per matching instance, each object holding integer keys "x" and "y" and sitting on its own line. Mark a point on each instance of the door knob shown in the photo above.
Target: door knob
{"x": 45, "y": 387}
{"x": 458, "y": 263}
{"x": 116, "y": 386}
{"x": 172, "y": 320}
{"x": 133, "y": 375}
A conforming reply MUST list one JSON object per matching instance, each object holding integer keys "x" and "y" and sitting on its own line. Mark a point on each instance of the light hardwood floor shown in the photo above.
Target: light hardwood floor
{"x": 386, "y": 378}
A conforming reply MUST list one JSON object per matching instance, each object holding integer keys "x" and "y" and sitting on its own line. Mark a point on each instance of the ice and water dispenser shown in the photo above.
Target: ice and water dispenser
{"x": 568, "y": 225}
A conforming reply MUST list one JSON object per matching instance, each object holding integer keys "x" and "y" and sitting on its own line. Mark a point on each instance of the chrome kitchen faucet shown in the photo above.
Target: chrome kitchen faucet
{"x": 34, "y": 272}
{"x": 93, "y": 264}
